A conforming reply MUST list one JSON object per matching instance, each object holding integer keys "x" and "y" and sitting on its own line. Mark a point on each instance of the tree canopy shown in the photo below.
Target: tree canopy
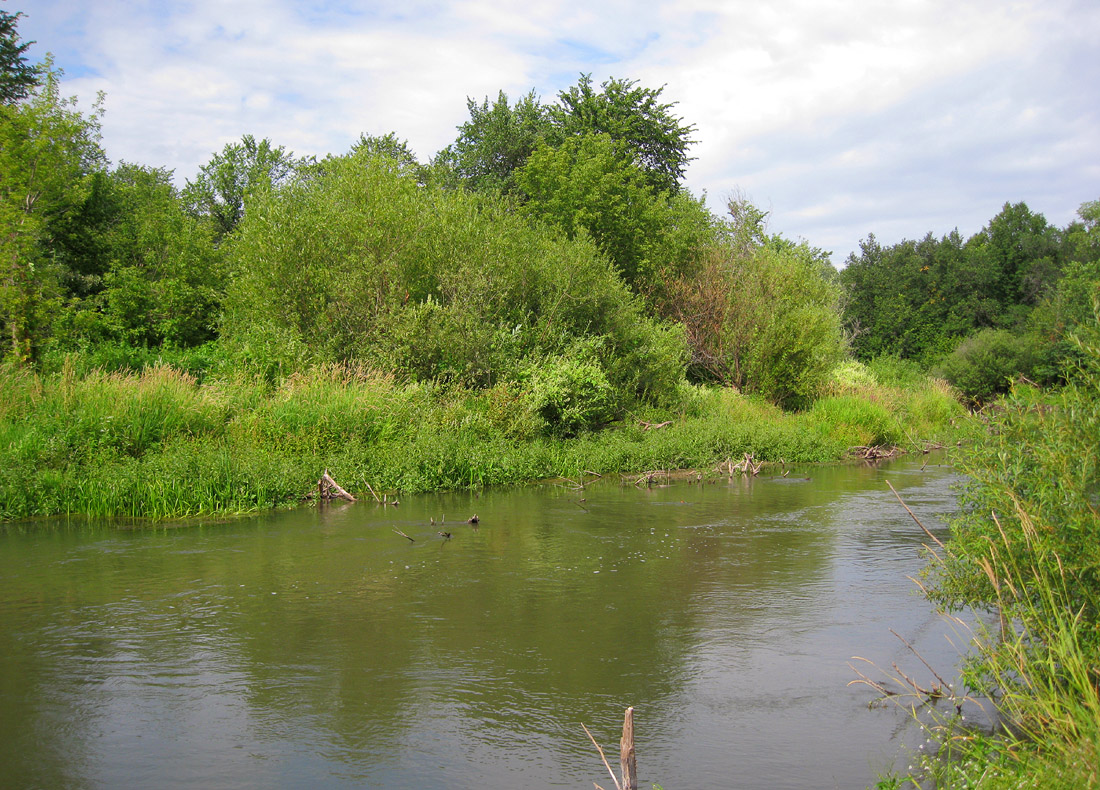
{"x": 17, "y": 77}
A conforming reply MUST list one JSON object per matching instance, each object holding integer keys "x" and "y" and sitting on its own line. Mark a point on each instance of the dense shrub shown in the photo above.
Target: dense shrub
{"x": 766, "y": 320}
{"x": 984, "y": 365}
{"x": 363, "y": 264}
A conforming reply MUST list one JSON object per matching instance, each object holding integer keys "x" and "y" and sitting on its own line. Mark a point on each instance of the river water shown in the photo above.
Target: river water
{"x": 319, "y": 648}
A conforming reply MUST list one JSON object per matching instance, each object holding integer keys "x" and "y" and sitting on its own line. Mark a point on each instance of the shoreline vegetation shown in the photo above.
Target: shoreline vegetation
{"x": 159, "y": 444}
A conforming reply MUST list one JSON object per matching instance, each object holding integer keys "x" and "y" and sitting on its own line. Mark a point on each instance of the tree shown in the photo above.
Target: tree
{"x": 223, "y": 185}
{"x": 766, "y": 319}
{"x": 588, "y": 185}
{"x": 17, "y": 78}
{"x": 496, "y": 141}
{"x": 1024, "y": 252}
{"x": 655, "y": 140}
{"x": 48, "y": 151}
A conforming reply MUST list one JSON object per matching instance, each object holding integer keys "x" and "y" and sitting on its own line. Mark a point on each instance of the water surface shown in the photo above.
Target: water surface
{"x": 318, "y": 648}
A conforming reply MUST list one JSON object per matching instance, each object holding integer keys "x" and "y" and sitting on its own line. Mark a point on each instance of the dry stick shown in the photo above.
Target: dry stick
{"x": 626, "y": 752}
{"x": 602, "y": 757}
{"x": 913, "y": 650}
{"x": 910, "y": 512}
{"x": 402, "y": 534}
{"x": 376, "y": 499}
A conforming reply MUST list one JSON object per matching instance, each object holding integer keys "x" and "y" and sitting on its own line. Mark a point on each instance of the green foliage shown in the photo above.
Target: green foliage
{"x": 1034, "y": 474}
{"x": 570, "y": 393}
{"x": 653, "y": 139}
{"x": 872, "y": 422}
{"x": 919, "y": 299}
{"x": 157, "y": 443}
{"x": 223, "y": 185}
{"x": 363, "y": 263}
{"x": 985, "y": 364}
{"x": 499, "y": 139}
{"x": 768, "y": 322}
{"x": 48, "y": 150}
{"x": 17, "y": 78}
{"x": 496, "y": 142}
{"x": 1025, "y": 545}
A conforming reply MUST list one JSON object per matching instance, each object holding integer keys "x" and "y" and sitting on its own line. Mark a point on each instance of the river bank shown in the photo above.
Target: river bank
{"x": 160, "y": 444}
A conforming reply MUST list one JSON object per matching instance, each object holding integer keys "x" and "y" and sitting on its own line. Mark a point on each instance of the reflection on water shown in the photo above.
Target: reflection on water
{"x": 319, "y": 648}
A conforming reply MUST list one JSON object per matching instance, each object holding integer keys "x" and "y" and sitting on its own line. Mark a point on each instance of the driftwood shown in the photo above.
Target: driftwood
{"x": 402, "y": 534}
{"x": 875, "y": 452}
{"x": 746, "y": 466}
{"x": 327, "y": 488}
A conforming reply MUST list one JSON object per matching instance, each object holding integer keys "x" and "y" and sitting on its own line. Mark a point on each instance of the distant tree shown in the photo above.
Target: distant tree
{"x": 17, "y": 78}
{"x": 655, "y": 139}
{"x": 496, "y": 141}
{"x": 1023, "y": 251}
{"x": 223, "y": 184}
{"x": 165, "y": 278}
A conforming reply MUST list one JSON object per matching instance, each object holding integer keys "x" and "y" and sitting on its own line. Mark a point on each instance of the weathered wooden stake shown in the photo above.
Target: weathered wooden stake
{"x": 626, "y": 753}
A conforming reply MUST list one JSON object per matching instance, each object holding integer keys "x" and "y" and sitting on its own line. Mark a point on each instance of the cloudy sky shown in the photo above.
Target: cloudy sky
{"x": 840, "y": 117}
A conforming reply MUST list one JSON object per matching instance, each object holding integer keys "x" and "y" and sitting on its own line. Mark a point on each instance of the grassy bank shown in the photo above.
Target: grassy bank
{"x": 1025, "y": 546}
{"x": 157, "y": 443}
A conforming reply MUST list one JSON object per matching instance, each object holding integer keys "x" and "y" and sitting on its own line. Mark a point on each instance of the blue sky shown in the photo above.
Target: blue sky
{"x": 840, "y": 117}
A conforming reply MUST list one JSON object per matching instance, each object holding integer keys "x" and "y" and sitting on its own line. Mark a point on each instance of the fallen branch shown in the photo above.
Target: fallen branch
{"x": 402, "y": 534}
{"x": 327, "y": 488}
{"x": 376, "y": 499}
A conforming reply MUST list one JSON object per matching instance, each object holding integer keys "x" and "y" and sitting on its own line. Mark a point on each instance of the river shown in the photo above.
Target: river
{"x": 319, "y": 648}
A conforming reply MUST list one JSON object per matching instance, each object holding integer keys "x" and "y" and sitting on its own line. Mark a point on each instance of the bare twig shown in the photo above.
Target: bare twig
{"x": 402, "y": 534}
{"x": 914, "y": 517}
{"x": 913, "y": 650}
{"x": 602, "y": 757}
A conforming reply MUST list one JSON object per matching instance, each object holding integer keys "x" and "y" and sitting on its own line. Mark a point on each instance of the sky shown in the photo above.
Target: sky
{"x": 841, "y": 118}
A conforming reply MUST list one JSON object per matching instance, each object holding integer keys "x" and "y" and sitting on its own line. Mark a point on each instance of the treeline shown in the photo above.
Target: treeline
{"x": 983, "y": 312}
{"x": 551, "y": 245}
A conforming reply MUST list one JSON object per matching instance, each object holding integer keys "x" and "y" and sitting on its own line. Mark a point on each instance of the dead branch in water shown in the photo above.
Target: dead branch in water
{"x": 327, "y": 488}
{"x": 875, "y": 452}
{"x": 402, "y": 534}
{"x": 914, "y": 517}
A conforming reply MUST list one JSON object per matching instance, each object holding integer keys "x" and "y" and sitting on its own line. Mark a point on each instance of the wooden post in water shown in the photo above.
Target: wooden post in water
{"x": 626, "y": 753}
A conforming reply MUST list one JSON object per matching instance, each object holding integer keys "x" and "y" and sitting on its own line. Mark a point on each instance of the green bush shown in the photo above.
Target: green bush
{"x": 872, "y": 423}
{"x": 362, "y": 264}
{"x": 984, "y": 365}
{"x": 571, "y": 393}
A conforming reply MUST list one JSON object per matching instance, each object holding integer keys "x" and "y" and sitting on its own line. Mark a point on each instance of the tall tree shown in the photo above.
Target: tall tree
{"x": 48, "y": 151}
{"x": 496, "y": 141}
{"x": 17, "y": 77}
{"x": 635, "y": 118}
{"x": 222, "y": 186}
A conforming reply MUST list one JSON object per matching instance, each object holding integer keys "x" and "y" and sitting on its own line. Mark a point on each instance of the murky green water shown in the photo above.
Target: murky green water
{"x": 318, "y": 648}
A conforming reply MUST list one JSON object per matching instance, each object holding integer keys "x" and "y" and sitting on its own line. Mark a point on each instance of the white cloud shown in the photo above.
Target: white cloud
{"x": 842, "y": 117}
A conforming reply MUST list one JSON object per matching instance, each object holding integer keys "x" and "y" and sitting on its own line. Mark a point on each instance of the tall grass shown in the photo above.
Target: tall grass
{"x": 157, "y": 443}
{"x": 1025, "y": 545}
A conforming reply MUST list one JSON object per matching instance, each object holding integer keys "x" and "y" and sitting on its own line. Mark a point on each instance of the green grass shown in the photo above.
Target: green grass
{"x": 157, "y": 443}
{"x": 1024, "y": 545}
